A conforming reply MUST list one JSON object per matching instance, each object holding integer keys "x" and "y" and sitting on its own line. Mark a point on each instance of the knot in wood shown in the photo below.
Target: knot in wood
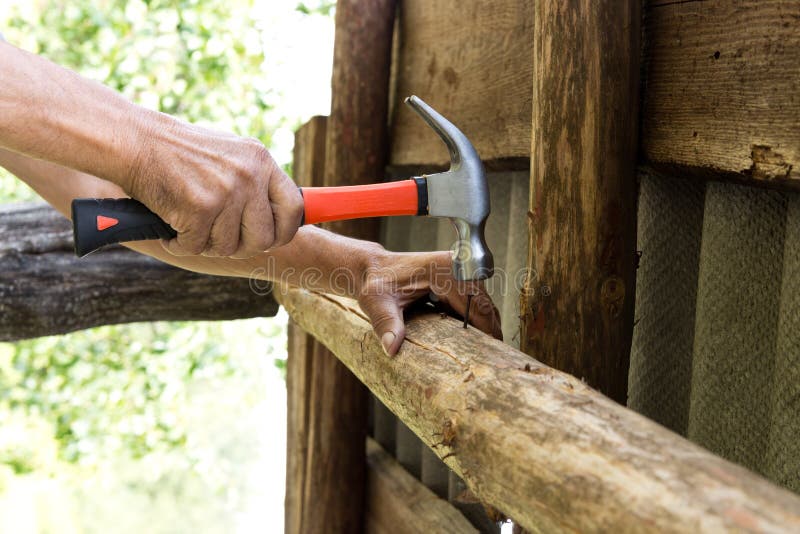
{"x": 612, "y": 295}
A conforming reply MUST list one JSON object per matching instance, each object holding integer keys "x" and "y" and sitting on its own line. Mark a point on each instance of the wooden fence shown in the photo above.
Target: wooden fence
{"x": 551, "y": 88}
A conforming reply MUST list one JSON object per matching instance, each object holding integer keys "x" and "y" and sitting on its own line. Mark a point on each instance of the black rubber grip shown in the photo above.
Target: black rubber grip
{"x": 97, "y": 222}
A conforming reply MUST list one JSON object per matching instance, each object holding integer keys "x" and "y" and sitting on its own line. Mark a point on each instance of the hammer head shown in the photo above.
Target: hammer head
{"x": 460, "y": 194}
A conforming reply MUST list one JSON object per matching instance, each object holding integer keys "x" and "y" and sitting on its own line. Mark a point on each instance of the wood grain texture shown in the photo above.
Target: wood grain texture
{"x": 397, "y": 503}
{"x": 300, "y": 358}
{"x": 472, "y": 61}
{"x": 578, "y": 305}
{"x": 46, "y": 290}
{"x": 308, "y": 170}
{"x": 356, "y": 148}
{"x": 723, "y": 87}
{"x": 537, "y": 443}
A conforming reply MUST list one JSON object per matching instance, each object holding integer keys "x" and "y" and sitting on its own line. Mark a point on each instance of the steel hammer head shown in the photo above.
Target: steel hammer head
{"x": 460, "y": 194}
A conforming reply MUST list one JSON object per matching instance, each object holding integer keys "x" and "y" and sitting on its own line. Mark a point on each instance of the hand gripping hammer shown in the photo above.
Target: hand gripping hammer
{"x": 460, "y": 194}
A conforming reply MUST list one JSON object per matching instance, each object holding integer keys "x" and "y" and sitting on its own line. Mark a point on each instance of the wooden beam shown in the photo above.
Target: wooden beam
{"x": 578, "y": 305}
{"x": 397, "y": 503}
{"x": 471, "y": 60}
{"x": 722, "y": 80}
{"x": 45, "y": 290}
{"x": 537, "y": 443}
{"x": 356, "y": 146}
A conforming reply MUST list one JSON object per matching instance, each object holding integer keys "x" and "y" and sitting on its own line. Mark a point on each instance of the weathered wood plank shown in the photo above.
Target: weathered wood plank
{"x": 308, "y": 168}
{"x": 356, "y": 147}
{"x": 45, "y": 290}
{"x": 722, "y": 84}
{"x": 397, "y": 503}
{"x": 473, "y": 62}
{"x": 578, "y": 305}
{"x": 300, "y": 358}
{"x": 538, "y": 444}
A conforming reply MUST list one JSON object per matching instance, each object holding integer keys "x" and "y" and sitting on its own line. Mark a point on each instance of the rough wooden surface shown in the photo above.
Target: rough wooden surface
{"x": 308, "y": 170}
{"x": 578, "y": 307}
{"x": 298, "y": 384}
{"x": 397, "y": 503}
{"x": 538, "y": 444}
{"x": 472, "y": 61}
{"x": 46, "y": 290}
{"x": 356, "y": 146}
{"x": 722, "y": 82}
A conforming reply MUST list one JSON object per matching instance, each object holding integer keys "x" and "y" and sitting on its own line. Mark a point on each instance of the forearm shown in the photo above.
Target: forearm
{"x": 314, "y": 258}
{"x": 51, "y": 113}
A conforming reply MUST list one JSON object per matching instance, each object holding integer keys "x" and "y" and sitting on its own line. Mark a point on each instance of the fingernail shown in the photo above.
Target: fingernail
{"x": 387, "y": 340}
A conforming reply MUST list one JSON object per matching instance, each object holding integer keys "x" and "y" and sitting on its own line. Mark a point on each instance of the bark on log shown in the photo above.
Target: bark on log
{"x": 397, "y": 503}
{"x": 356, "y": 147}
{"x": 537, "y": 443}
{"x": 45, "y": 290}
{"x": 578, "y": 306}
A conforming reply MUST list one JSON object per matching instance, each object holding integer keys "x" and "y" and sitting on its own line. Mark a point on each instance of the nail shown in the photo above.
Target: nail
{"x": 387, "y": 340}
{"x": 466, "y": 315}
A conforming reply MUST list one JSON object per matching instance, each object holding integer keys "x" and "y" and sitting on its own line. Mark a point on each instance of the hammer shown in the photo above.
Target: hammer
{"x": 460, "y": 194}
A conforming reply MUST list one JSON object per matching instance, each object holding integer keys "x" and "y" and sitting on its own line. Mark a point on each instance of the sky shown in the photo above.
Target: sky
{"x": 298, "y": 52}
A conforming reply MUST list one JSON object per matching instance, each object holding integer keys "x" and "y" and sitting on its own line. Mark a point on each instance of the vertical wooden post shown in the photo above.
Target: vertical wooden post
{"x": 308, "y": 170}
{"x": 356, "y": 148}
{"x": 578, "y": 303}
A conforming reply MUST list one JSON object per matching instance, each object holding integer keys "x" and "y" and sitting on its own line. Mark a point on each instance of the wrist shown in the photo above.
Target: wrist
{"x": 371, "y": 261}
{"x": 150, "y": 131}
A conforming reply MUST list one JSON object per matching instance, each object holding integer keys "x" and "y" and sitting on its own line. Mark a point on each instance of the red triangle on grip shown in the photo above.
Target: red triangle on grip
{"x": 106, "y": 222}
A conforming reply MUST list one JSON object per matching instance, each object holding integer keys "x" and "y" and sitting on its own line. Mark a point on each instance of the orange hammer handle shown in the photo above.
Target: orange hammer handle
{"x": 406, "y": 197}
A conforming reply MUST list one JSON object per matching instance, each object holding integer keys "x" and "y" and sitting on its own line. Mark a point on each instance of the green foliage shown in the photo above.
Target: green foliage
{"x": 189, "y": 58}
{"x": 321, "y": 7}
{"x": 118, "y": 389}
{"x": 197, "y": 59}
{"x": 115, "y": 389}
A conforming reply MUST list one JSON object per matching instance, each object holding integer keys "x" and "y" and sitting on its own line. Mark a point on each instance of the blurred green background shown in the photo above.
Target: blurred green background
{"x": 161, "y": 427}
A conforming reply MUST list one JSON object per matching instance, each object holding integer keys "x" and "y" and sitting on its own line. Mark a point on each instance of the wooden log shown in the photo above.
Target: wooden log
{"x": 397, "y": 503}
{"x": 722, "y": 81}
{"x": 356, "y": 141}
{"x": 578, "y": 305}
{"x": 45, "y": 290}
{"x": 472, "y": 60}
{"x": 538, "y": 444}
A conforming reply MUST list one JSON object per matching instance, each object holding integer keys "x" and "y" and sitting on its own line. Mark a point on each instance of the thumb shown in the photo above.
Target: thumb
{"x": 387, "y": 321}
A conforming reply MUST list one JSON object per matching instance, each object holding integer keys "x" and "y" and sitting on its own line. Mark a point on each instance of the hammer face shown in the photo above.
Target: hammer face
{"x": 462, "y": 195}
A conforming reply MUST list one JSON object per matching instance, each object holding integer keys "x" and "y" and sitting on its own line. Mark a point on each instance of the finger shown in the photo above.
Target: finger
{"x": 483, "y": 314}
{"x": 387, "y": 321}
{"x": 258, "y": 230}
{"x": 287, "y": 207}
{"x": 190, "y": 242}
{"x": 223, "y": 240}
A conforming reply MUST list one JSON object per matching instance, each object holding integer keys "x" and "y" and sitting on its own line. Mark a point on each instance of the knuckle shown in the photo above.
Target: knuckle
{"x": 204, "y": 206}
{"x": 257, "y": 160}
{"x": 267, "y": 238}
{"x": 192, "y": 247}
{"x": 261, "y": 244}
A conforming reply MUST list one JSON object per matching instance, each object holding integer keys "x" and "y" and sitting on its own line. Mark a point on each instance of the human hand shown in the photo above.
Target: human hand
{"x": 395, "y": 280}
{"x": 224, "y": 195}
